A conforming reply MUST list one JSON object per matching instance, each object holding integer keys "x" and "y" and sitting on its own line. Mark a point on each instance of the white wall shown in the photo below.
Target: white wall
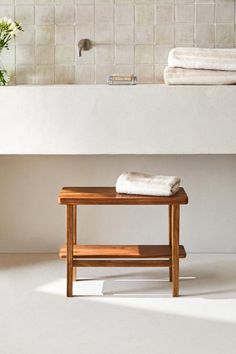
{"x": 93, "y": 120}
{"x": 32, "y": 221}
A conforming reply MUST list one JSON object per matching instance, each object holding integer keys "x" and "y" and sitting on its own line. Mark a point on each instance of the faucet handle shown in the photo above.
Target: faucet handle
{"x": 84, "y": 44}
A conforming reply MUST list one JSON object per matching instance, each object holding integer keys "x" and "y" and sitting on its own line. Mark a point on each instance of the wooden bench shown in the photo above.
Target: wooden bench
{"x": 132, "y": 255}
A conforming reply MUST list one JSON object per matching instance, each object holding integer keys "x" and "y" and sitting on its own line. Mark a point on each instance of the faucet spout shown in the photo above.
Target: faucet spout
{"x": 84, "y": 44}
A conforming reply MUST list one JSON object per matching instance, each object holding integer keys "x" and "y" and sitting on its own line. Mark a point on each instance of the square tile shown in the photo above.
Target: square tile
{"x": 64, "y": 14}
{"x": 123, "y": 69}
{"x": 84, "y": 31}
{"x": 21, "y": 2}
{"x": 144, "y": 34}
{"x": 125, "y": 54}
{"x": 25, "y": 14}
{"x": 225, "y": 12}
{"x": 85, "y": 74}
{"x": 144, "y": 73}
{"x": 65, "y": 2}
{"x": 7, "y": 11}
{"x": 64, "y": 74}
{"x": 224, "y": 35}
{"x": 165, "y": 13}
{"x": 184, "y": 33}
{"x": 44, "y": 54}
{"x": 105, "y": 54}
{"x": 104, "y": 14}
{"x": 124, "y": 2}
{"x": 25, "y": 74}
{"x": 164, "y": 34}
{"x": 44, "y": 14}
{"x": 65, "y": 34}
{"x": 104, "y": 2}
{"x": 24, "y": 54}
{"x": 124, "y": 14}
{"x": 26, "y": 37}
{"x": 84, "y": 14}
{"x": 144, "y": 15}
{"x": 44, "y": 75}
{"x": 84, "y": 2}
{"x": 124, "y": 34}
{"x": 104, "y": 33}
{"x": 102, "y": 73}
{"x": 184, "y": 13}
{"x": 205, "y": 13}
{"x": 44, "y": 2}
{"x": 144, "y": 54}
{"x": 64, "y": 54}
{"x": 44, "y": 34}
{"x": 159, "y": 73}
{"x": 7, "y": 2}
{"x": 205, "y": 35}
{"x": 161, "y": 54}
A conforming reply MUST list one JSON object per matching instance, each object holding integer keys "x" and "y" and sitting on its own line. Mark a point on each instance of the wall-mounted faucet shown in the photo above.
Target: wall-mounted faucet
{"x": 84, "y": 44}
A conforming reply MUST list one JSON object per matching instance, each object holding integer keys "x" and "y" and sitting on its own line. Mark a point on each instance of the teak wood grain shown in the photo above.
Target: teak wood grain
{"x": 74, "y": 216}
{"x": 117, "y": 255}
{"x": 122, "y": 263}
{"x": 70, "y": 230}
{"x": 108, "y": 196}
{"x": 122, "y": 251}
{"x": 175, "y": 249}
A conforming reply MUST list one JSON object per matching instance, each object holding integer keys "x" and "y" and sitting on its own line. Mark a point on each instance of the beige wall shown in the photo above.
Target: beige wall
{"x": 31, "y": 220}
{"x": 130, "y": 36}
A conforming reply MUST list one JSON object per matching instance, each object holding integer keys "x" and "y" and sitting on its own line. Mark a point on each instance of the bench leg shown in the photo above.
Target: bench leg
{"x": 74, "y": 235}
{"x": 69, "y": 258}
{"x": 175, "y": 249}
{"x": 170, "y": 239}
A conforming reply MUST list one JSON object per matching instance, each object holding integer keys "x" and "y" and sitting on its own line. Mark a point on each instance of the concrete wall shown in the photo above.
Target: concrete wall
{"x": 32, "y": 221}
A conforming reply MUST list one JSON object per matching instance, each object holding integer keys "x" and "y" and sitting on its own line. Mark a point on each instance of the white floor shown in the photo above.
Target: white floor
{"x": 128, "y": 311}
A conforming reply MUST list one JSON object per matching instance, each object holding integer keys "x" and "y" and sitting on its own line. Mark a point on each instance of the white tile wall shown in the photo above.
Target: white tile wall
{"x": 129, "y": 36}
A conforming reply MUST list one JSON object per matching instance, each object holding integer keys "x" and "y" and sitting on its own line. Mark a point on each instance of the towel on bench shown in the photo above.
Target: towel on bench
{"x": 180, "y": 76}
{"x": 145, "y": 184}
{"x": 203, "y": 58}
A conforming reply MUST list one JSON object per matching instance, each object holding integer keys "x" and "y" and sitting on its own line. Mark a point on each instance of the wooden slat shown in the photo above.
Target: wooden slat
{"x": 121, "y": 263}
{"x": 74, "y": 216}
{"x": 170, "y": 238}
{"x": 108, "y": 196}
{"x": 175, "y": 250}
{"x": 69, "y": 249}
{"x": 120, "y": 251}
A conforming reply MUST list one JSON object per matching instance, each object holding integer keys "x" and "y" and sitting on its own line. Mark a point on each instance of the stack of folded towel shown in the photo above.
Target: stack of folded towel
{"x": 201, "y": 66}
{"x": 145, "y": 184}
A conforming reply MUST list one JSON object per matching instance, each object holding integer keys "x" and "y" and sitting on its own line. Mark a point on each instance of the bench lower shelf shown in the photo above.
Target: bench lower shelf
{"x": 121, "y": 251}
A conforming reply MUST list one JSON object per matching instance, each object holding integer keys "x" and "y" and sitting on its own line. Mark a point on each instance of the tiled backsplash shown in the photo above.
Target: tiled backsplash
{"x": 129, "y": 36}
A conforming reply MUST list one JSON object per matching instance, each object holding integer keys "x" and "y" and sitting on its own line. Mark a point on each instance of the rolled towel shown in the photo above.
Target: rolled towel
{"x": 203, "y": 58}
{"x": 180, "y": 76}
{"x": 145, "y": 184}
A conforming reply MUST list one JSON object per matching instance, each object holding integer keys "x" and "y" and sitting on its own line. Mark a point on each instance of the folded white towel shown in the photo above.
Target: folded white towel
{"x": 203, "y": 58}
{"x": 145, "y": 184}
{"x": 180, "y": 76}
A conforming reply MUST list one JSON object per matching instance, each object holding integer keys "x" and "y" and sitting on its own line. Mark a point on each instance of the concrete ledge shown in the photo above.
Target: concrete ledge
{"x": 100, "y": 119}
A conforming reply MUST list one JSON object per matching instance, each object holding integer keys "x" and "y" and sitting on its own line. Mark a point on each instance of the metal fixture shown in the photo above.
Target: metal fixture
{"x": 84, "y": 44}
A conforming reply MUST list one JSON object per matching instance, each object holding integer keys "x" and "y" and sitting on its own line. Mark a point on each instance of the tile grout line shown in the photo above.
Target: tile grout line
{"x": 75, "y": 44}
{"x": 195, "y": 24}
{"x": 214, "y": 24}
{"x": 15, "y": 80}
{"x": 94, "y": 43}
{"x": 35, "y": 69}
{"x": 54, "y": 66}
